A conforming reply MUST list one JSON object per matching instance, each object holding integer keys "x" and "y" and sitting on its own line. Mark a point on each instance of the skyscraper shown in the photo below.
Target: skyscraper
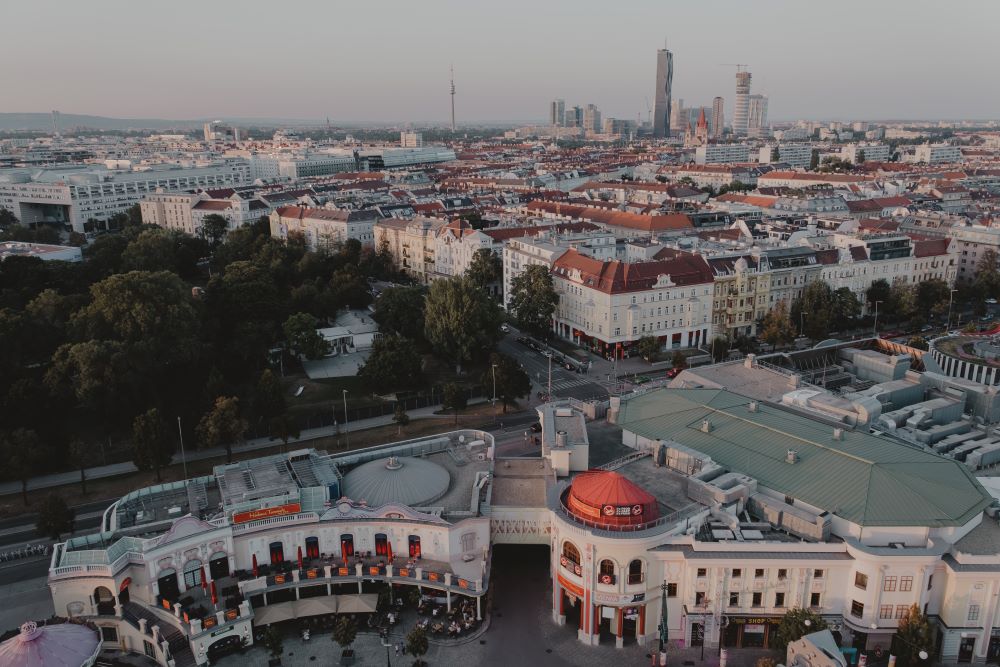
{"x": 757, "y": 115}
{"x": 592, "y": 119}
{"x": 741, "y": 110}
{"x": 718, "y": 117}
{"x": 574, "y": 117}
{"x": 664, "y": 81}
{"x": 557, "y": 112}
{"x": 678, "y": 124}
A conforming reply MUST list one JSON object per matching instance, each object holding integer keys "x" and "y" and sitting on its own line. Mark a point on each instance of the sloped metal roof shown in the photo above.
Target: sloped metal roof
{"x": 863, "y": 478}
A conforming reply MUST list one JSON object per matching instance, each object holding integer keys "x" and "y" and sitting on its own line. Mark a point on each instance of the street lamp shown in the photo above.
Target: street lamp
{"x": 180, "y": 432}
{"x": 951, "y": 297}
{"x": 802, "y": 326}
{"x": 346, "y": 430}
{"x": 875, "y": 326}
{"x": 494, "y": 392}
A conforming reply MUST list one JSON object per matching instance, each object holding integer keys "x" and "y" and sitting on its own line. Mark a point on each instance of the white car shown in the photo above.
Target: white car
{"x": 504, "y": 328}
{"x": 992, "y": 302}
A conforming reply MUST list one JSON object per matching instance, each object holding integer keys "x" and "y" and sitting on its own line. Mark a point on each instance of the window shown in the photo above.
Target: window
{"x": 901, "y": 610}
{"x": 312, "y": 547}
{"x": 889, "y": 584}
{"x": 779, "y": 599}
{"x": 109, "y": 634}
{"x": 814, "y": 600}
{"x": 734, "y": 599}
{"x": 973, "y": 612}
{"x": 757, "y": 599}
{"x": 192, "y": 573}
{"x": 782, "y": 574}
{"x": 381, "y": 545}
{"x": 671, "y": 590}
{"x": 861, "y": 580}
{"x": 414, "y": 544}
{"x": 699, "y": 598}
{"x": 635, "y": 573}
{"x": 906, "y": 584}
{"x": 758, "y": 573}
{"x": 857, "y": 609}
{"x": 606, "y": 572}
{"x": 737, "y": 573}
{"x": 702, "y": 572}
{"x": 148, "y": 648}
{"x": 571, "y": 558}
{"x": 346, "y": 546}
{"x": 817, "y": 574}
{"x": 885, "y": 611}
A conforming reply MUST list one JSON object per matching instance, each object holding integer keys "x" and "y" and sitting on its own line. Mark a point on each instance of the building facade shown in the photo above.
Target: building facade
{"x": 662, "y": 94}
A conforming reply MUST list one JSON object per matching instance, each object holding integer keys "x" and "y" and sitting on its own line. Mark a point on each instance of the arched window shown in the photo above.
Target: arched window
{"x": 606, "y": 572}
{"x": 104, "y": 600}
{"x": 635, "y": 572}
{"x": 570, "y": 558}
{"x": 381, "y": 544}
{"x": 192, "y": 573}
{"x": 414, "y": 542}
{"x": 312, "y": 547}
{"x": 277, "y": 550}
{"x": 346, "y": 546}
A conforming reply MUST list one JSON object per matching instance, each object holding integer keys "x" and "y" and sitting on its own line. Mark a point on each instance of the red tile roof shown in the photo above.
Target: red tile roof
{"x": 211, "y": 205}
{"x": 930, "y": 247}
{"x": 616, "y": 218}
{"x": 615, "y": 276}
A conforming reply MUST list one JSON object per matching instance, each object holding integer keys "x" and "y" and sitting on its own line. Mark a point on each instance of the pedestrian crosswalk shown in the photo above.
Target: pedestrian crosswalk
{"x": 572, "y": 382}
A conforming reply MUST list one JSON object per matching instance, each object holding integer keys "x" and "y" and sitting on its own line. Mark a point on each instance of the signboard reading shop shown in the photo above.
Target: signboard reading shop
{"x": 266, "y": 512}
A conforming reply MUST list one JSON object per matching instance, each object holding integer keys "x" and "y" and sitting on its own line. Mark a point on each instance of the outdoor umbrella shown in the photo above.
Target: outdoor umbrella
{"x": 204, "y": 582}
{"x": 215, "y": 596}
{"x": 255, "y": 565}
{"x": 300, "y": 557}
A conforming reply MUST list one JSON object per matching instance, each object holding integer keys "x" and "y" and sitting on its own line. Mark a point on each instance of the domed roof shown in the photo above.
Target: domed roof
{"x": 609, "y": 499}
{"x": 404, "y": 480}
{"x": 55, "y": 645}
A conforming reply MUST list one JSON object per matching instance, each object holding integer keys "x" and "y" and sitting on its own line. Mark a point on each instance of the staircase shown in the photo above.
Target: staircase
{"x": 180, "y": 648}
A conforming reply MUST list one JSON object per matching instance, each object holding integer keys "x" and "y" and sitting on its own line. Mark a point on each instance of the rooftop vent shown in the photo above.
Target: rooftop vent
{"x": 706, "y": 426}
{"x": 562, "y": 439}
{"x": 791, "y": 456}
{"x": 393, "y": 463}
{"x": 838, "y": 434}
{"x": 753, "y": 406}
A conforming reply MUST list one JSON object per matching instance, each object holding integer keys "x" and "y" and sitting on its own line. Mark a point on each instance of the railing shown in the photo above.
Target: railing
{"x": 304, "y": 517}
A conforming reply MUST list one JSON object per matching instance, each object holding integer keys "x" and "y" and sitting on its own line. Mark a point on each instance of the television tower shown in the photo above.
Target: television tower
{"x": 452, "y": 98}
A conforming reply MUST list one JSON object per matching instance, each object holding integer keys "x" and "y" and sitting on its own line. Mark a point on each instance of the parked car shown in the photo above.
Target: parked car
{"x": 536, "y": 427}
{"x": 992, "y": 302}
{"x": 674, "y": 372}
{"x": 504, "y": 328}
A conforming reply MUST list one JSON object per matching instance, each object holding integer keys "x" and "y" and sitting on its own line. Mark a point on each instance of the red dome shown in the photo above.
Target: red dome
{"x": 606, "y": 498}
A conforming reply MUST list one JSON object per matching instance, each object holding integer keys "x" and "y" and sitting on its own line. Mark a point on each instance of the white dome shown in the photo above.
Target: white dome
{"x": 405, "y": 480}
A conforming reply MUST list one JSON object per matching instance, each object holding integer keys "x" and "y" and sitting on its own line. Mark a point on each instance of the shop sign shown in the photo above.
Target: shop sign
{"x": 342, "y": 571}
{"x": 267, "y": 512}
{"x": 631, "y": 613}
{"x": 755, "y": 620}
{"x": 621, "y": 510}
{"x": 223, "y": 631}
{"x": 614, "y": 598}
{"x": 575, "y": 589}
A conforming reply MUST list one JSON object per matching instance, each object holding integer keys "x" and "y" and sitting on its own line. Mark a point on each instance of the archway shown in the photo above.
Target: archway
{"x": 105, "y": 601}
{"x": 167, "y": 585}
{"x": 218, "y": 565}
{"x": 123, "y": 595}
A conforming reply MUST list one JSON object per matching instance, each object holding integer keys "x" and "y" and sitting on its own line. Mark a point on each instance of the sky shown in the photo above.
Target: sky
{"x": 387, "y": 61}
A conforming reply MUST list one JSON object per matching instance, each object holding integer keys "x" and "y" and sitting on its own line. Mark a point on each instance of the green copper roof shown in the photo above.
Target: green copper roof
{"x": 863, "y": 478}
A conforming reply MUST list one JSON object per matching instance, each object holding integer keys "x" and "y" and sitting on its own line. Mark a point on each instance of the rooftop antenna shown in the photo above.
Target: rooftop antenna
{"x": 452, "y": 69}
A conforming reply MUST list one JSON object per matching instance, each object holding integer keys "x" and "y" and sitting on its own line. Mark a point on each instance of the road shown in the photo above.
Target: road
{"x": 565, "y": 384}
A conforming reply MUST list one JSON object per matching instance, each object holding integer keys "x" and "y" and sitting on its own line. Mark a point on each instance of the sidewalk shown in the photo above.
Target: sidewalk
{"x": 127, "y": 467}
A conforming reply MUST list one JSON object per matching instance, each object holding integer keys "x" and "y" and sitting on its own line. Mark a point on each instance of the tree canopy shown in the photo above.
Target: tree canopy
{"x": 151, "y": 446}
{"x": 793, "y": 627}
{"x": 303, "y": 338}
{"x": 512, "y": 382}
{"x": 460, "y": 320}
{"x": 533, "y": 300}
{"x": 401, "y": 310}
{"x": 485, "y": 268}
{"x": 393, "y": 364}
{"x": 776, "y": 327}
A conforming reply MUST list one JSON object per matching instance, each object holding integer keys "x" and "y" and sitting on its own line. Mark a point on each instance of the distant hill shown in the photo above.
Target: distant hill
{"x": 67, "y": 121}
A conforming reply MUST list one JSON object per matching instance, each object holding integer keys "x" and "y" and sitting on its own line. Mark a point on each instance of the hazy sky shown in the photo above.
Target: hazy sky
{"x": 384, "y": 61}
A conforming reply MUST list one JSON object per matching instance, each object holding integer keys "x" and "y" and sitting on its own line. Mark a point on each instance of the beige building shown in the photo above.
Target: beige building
{"x": 324, "y": 228}
{"x": 412, "y": 244}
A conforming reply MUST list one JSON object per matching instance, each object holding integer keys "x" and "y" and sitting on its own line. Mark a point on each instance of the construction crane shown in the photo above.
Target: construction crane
{"x": 740, "y": 67}
{"x": 649, "y": 112}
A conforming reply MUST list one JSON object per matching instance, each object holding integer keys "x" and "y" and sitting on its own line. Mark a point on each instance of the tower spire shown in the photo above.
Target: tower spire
{"x": 452, "y": 70}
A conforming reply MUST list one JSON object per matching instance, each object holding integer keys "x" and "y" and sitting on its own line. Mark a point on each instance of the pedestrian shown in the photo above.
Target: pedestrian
{"x": 397, "y": 649}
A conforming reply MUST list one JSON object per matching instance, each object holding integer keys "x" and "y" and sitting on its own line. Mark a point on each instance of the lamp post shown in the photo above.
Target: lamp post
{"x": 802, "y": 319}
{"x": 663, "y": 624}
{"x": 346, "y": 430}
{"x": 875, "y": 325}
{"x": 180, "y": 432}
{"x": 951, "y": 297}
{"x": 494, "y": 392}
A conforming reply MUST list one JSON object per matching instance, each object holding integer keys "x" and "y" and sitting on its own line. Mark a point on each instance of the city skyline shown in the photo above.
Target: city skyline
{"x": 804, "y": 66}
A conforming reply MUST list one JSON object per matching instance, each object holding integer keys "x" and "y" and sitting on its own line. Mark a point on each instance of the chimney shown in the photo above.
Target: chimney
{"x": 749, "y": 361}
{"x": 791, "y": 456}
{"x": 753, "y": 407}
{"x": 706, "y": 426}
{"x": 838, "y": 434}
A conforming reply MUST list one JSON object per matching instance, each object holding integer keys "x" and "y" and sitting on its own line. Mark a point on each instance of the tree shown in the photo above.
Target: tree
{"x": 679, "y": 360}
{"x": 151, "y": 447}
{"x": 274, "y": 642}
{"x": 860, "y": 156}
{"x": 393, "y": 364}
{"x": 512, "y": 382}
{"x": 987, "y": 275}
{"x": 648, "y": 348}
{"x": 460, "y": 320}
{"x": 303, "y": 338}
{"x": 932, "y": 296}
{"x": 879, "y": 290}
{"x": 902, "y": 302}
{"x": 776, "y": 327}
{"x": 793, "y": 627}
{"x": 775, "y": 154}
{"x": 55, "y": 517}
{"x": 400, "y": 417}
{"x": 720, "y": 348}
{"x": 454, "y": 398}
{"x": 533, "y": 300}
{"x": 79, "y": 454}
{"x": 284, "y": 428}
{"x": 814, "y": 160}
{"x": 269, "y": 399}
{"x": 416, "y": 644}
{"x": 21, "y": 454}
{"x": 134, "y": 215}
{"x": 401, "y": 310}
{"x": 345, "y": 631}
{"x": 213, "y": 229}
{"x": 918, "y": 342}
{"x": 222, "y": 426}
{"x": 845, "y": 308}
{"x": 813, "y": 311}
{"x": 913, "y": 635}
{"x": 7, "y": 218}
{"x": 485, "y": 269}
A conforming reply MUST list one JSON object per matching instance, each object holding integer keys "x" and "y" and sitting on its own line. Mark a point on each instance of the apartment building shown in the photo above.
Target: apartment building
{"x": 608, "y": 305}
{"x": 324, "y": 228}
{"x": 412, "y": 244}
{"x": 722, "y": 153}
